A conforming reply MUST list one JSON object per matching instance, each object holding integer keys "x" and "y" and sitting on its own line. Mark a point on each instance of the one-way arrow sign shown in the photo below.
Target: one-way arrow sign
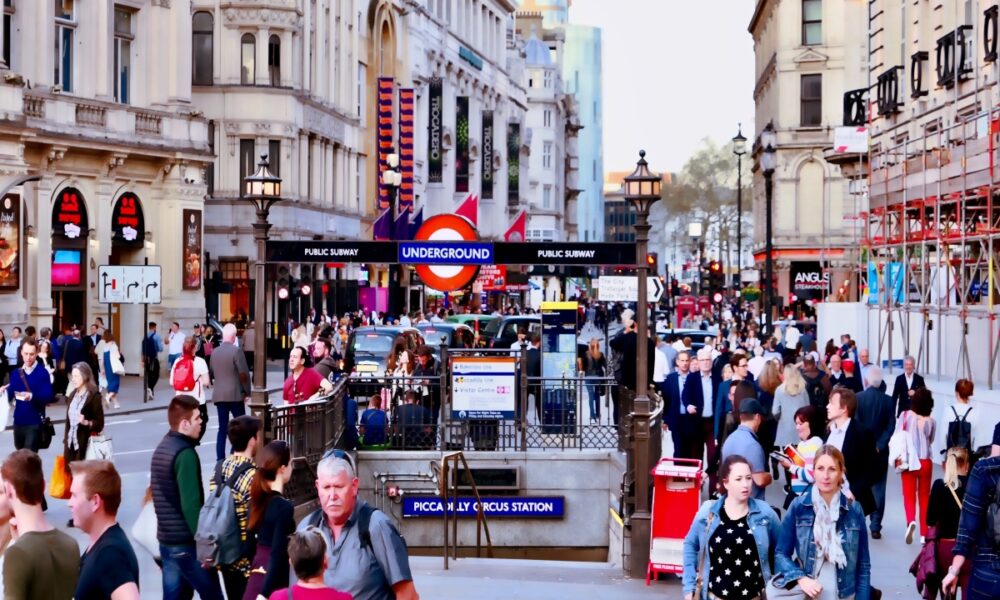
{"x": 626, "y": 289}
{"x": 129, "y": 284}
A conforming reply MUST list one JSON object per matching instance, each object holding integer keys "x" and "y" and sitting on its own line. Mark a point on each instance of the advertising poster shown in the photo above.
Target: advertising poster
{"x": 192, "y": 249}
{"x": 461, "y": 144}
{"x": 487, "y": 183}
{"x": 10, "y": 242}
{"x": 384, "y": 136}
{"x": 809, "y": 282}
{"x": 513, "y": 163}
{"x": 483, "y": 388}
{"x": 435, "y": 129}
{"x": 873, "y": 283}
{"x": 127, "y": 223}
{"x": 69, "y": 218}
{"x": 407, "y": 106}
{"x": 559, "y": 342}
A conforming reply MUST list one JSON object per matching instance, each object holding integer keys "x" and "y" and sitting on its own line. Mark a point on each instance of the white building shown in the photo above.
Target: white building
{"x": 104, "y": 155}
{"x": 285, "y": 80}
{"x": 808, "y": 54}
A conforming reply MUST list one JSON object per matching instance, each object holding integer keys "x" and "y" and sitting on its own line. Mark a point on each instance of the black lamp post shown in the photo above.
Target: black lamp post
{"x": 642, "y": 189}
{"x": 393, "y": 179}
{"x": 739, "y": 149}
{"x": 263, "y": 189}
{"x": 768, "y": 162}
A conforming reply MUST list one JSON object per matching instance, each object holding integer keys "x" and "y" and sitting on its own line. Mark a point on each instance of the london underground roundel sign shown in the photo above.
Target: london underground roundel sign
{"x": 447, "y": 228}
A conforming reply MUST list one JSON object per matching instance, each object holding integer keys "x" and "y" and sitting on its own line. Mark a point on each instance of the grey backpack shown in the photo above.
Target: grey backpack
{"x": 218, "y": 540}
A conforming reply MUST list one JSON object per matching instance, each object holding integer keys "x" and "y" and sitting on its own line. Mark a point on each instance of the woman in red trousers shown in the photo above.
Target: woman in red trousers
{"x": 920, "y": 427}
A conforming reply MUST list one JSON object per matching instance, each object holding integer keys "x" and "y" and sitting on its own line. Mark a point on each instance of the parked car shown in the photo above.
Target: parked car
{"x": 476, "y": 321}
{"x": 501, "y": 332}
{"x": 698, "y": 337}
{"x": 367, "y": 354}
{"x": 455, "y": 335}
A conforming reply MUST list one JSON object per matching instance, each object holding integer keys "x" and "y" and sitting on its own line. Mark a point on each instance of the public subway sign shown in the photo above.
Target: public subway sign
{"x": 533, "y": 507}
{"x": 566, "y": 253}
{"x": 306, "y": 251}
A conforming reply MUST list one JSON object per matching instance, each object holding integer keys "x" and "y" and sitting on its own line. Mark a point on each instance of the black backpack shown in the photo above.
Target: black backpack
{"x": 817, "y": 393}
{"x": 959, "y": 432}
{"x": 149, "y": 349}
{"x": 364, "y": 525}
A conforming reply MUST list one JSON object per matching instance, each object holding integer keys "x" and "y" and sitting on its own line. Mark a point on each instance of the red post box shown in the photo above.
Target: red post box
{"x": 676, "y": 499}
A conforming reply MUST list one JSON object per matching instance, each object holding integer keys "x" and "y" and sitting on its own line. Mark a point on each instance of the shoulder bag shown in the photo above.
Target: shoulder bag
{"x": 46, "y": 430}
{"x": 699, "y": 578}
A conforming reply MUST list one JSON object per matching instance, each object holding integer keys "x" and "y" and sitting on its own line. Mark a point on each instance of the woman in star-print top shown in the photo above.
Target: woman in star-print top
{"x": 731, "y": 539}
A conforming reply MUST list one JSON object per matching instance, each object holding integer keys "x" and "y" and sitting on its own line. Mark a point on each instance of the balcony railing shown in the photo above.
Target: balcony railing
{"x": 854, "y": 107}
{"x": 34, "y": 107}
{"x": 148, "y": 123}
{"x": 91, "y": 115}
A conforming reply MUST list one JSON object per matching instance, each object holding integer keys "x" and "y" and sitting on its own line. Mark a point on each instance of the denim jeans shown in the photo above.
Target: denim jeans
{"x": 182, "y": 573}
{"x": 27, "y": 436}
{"x": 224, "y": 410}
{"x": 878, "y": 490}
{"x": 593, "y": 390}
{"x": 171, "y": 359}
{"x": 984, "y": 583}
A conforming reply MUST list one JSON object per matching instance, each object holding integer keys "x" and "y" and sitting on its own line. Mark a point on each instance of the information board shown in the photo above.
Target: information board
{"x": 559, "y": 340}
{"x": 483, "y": 387}
{"x": 540, "y": 507}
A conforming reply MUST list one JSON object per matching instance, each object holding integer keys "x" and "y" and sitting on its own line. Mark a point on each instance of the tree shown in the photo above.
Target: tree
{"x": 704, "y": 191}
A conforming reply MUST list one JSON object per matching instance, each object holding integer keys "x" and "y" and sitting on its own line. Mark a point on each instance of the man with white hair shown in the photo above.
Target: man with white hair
{"x": 699, "y": 396}
{"x": 232, "y": 384}
{"x": 355, "y": 533}
{"x": 876, "y": 411}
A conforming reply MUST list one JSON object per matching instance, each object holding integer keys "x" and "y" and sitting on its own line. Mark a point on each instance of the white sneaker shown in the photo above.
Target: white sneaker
{"x": 923, "y": 540}
{"x": 911, "y": 529}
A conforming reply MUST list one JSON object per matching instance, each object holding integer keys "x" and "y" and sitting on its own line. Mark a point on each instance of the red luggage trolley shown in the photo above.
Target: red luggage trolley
{"x": 676, "y": 499}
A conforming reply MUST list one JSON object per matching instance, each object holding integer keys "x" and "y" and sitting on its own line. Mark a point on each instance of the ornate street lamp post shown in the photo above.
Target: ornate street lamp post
{"x": 392, "y": 178}
{"x": 642, "y": 189}
{"x": 768, "y": 163}
{"x": 739, "y": 149}
{"x": 263, "y": 189}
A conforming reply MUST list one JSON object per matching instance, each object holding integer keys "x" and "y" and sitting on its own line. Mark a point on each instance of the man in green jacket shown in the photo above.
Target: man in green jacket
{"x": 178, "y": 495}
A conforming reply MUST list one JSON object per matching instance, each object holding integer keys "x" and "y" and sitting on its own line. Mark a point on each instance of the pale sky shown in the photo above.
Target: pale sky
{"x": 675, "y": 71}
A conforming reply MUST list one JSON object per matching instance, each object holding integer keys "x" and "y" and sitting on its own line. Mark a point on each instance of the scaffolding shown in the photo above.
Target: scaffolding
{"x": 932, "y": 237}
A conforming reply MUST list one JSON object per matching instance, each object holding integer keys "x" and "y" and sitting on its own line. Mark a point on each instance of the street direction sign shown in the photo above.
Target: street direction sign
{"x": 128, "y": 284}
{"x": 626, "y": 288}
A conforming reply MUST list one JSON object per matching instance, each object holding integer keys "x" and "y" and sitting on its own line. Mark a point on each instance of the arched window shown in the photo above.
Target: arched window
{"x": 274, "y": 60}
{"x": 202, "y": 26}
{"x": 248, "y": 52}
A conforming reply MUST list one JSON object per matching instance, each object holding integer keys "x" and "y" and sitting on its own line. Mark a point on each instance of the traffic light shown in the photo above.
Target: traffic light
{"x": 284, "y": 284}
{"x": 716, "y": 278}
{"x": 652, "y": 263}
{"x": 305, "y": 286}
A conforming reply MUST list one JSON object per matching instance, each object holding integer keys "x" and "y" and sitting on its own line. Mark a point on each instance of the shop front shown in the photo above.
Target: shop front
{"x": 70, "y": 233}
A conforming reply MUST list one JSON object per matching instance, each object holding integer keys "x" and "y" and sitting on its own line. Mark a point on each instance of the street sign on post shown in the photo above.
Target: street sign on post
{"x": 626, "y": 288}
{"x": 128, "y": 284}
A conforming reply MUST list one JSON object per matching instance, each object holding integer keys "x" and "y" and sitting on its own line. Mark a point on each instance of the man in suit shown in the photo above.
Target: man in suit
{"x": 232, "y": 384}
{"x": 90, "y": 346}
{"x": 906, "y": 383}
{"x": 677, "y": 418}
{"x": 875, "y": 412}
{"x": 699, "y": 394}
{"x": 855, "y": 441}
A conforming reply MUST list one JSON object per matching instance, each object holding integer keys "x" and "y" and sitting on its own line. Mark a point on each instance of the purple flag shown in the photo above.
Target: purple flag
{"x": 382, "y": 227}
{"x": 401, "y": 228}
{"x": 416, "y": 222}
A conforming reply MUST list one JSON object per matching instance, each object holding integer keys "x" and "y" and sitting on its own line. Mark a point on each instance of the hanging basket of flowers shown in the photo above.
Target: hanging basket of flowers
{"x": 751, "y": 293}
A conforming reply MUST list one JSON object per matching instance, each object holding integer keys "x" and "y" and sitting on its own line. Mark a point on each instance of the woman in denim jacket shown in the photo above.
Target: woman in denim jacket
{"x": 733, "y": 537}
{"x": 825, "y": 531}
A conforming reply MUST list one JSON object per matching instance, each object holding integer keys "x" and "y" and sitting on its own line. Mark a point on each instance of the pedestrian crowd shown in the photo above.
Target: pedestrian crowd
{"x": 756, "y": 409}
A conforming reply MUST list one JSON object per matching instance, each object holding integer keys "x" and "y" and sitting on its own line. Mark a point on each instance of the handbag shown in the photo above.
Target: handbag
{"x": 699, "y": 578}
{"x": 60, "y": 480}
{"x": 46, "y": 430}
{"x": 117, "y": 366}
{"x": 99, "y": 447}
{"x": 144, "y": 530}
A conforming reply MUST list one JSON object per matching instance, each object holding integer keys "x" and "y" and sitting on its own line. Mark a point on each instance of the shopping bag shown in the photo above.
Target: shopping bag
{"x": 100, "y": 448}
{"x": 144, "y": 530}
{"x": 59, "y": 482}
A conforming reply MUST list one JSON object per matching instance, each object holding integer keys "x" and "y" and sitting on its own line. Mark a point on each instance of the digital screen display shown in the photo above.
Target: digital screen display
{"x": 66, "y": 267}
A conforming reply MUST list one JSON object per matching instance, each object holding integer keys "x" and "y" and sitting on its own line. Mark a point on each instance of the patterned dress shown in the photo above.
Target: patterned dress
{"x": 734, "y": 571}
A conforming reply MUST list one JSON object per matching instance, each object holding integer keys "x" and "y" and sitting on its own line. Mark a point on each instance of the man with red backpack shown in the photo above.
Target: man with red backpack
{"x": 189, "y": 376}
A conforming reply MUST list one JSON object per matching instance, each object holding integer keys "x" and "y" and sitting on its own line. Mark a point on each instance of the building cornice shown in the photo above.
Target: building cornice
{"x": 758, "y": 14}
{"x": 765, "y": 75}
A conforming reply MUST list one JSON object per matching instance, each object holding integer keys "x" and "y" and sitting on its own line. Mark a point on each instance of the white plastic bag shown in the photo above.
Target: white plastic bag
{"x": 144, "y": 530}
